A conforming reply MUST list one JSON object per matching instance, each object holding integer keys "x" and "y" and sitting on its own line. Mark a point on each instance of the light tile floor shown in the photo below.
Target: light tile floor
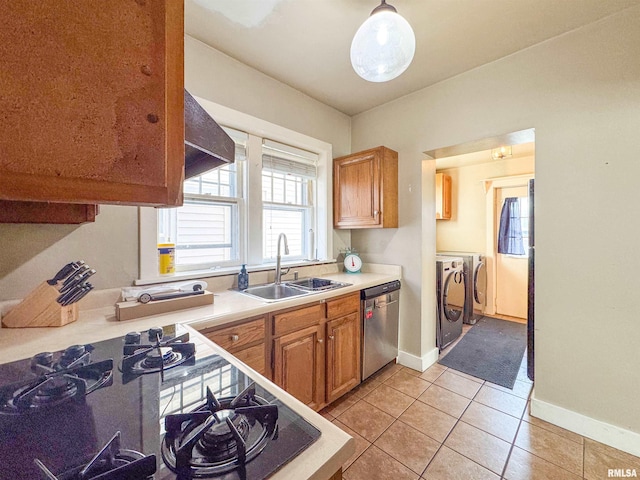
{"x": 442, "y": 424}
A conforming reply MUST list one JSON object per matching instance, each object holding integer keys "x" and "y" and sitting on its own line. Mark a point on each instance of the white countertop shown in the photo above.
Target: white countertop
{"x": 318, "y": 462}
{"x": 323, "y": 457}
{"x": 101, "y": 323}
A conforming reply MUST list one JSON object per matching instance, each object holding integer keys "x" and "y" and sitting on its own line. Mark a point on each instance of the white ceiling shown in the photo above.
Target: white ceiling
{"x": 305, "y": 43}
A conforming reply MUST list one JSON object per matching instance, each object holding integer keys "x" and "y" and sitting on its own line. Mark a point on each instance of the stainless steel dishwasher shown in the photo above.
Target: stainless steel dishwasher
{"x": 380, "y": 314}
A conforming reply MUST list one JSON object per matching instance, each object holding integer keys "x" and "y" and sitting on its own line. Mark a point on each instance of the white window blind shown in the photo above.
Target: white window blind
{"x": 206, "y": 229}
{"x": 227, "y": 212}
{"x": 288, "y": 179}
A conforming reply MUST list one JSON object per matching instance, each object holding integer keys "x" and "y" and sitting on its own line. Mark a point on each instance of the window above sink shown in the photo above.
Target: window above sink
{"x": 283, "y": 187}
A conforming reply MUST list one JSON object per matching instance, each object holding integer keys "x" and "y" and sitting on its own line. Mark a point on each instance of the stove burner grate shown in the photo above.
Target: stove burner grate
{"x": 156, "y": 357}
{"x": 55, "y": 384}
{"x": 111, "y": 463}
{"x": 219, "y": 436}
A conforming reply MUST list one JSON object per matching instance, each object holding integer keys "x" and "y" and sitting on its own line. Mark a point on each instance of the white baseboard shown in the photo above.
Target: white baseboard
{"x": 615, "y": 437}
{"x": 418, "y": 363}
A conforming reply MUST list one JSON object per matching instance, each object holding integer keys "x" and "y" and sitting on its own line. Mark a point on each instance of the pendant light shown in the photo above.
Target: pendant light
{"x": 383, "y": 46}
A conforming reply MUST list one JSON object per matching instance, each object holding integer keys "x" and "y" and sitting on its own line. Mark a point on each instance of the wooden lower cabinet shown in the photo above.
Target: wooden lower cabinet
{"x": 254, "y": 357}
{"x": 318, "y": 363}
{"x": 299, "y": 365}
{"x": 312, "y": 351}
{"x": 343, "y": 355}
{"x": 246, "y": 340}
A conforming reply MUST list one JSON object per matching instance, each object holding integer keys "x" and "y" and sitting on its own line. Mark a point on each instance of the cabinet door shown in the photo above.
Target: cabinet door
{"x": 343, "y": 355}
{"x": 245, "y": 340}
{"x": 356, "y": 200}
{"x": 254, "y": 357}
{"x": 238, "y": 336}
{"x": 365, "y": 189}
{"x": 93, "y": 102}
{"x": 299, "y": 365}
{"x": 443, "y": 196}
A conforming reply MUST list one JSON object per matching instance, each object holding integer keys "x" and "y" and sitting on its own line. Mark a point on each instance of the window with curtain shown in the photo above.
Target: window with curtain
{"x": 513, "y": 232}
{"x": 206, "y": 229}
{"x": 288, "y": 187}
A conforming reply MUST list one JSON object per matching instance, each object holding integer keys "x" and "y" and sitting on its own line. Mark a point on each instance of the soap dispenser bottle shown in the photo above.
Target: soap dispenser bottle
{"x": 243, "y": 278}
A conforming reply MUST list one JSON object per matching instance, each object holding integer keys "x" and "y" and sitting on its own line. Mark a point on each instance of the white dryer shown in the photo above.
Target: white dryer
{"x": 475, "y": 278}
{"x": 450, "y": 291}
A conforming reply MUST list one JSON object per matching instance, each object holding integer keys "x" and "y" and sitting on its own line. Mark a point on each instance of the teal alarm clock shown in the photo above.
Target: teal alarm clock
{"x": 352, "y": 262}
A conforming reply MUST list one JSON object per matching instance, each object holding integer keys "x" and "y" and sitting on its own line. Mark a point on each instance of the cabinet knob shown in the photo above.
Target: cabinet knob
{"x": 320, "y": 340}
{"x": 330, "y": 337}
{"x": 234, "y": 338}
{"x": 375, "y": 213}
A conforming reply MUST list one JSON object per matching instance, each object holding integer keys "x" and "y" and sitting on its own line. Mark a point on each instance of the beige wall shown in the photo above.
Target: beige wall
{"x": 581, "y": 93}
{"x": 31, "y": 253}
{"x": 466, "y": 231}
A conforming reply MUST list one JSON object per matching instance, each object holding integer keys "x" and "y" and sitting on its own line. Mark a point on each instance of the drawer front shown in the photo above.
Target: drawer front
{"x": 343, "y": 306}
{"x": 297, "y": 319}
{"x": 237, "y": 336}
{"x": 254, "y": 357}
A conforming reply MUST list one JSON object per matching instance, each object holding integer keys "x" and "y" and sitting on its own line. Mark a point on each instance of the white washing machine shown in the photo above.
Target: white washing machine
{"x": 475, "y": 278}
{"x": 450, "y": 291}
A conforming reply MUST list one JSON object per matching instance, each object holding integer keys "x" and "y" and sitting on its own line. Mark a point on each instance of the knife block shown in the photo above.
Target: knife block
{"x": 40, "y": 309}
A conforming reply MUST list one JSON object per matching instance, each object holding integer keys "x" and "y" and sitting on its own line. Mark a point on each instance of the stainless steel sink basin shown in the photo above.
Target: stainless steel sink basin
{"x": 272, "y": 292}
{"x": 315, "y": 284}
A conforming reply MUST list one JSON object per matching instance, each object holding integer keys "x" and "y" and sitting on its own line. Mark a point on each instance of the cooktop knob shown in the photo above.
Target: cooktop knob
{"x": 73, "y": 352}
{"x": 44, "y": 358}
{"x": 155, "y": 334}
{"x": 132, "y": 338}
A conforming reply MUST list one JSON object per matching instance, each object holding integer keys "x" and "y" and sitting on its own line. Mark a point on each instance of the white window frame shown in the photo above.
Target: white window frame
{"x": 236, "y": 202}
{"x": 252, "y": 256}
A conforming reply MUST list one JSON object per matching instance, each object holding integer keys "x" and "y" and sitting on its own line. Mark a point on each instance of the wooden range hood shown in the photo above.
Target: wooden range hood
{"x": 206, "y": 144}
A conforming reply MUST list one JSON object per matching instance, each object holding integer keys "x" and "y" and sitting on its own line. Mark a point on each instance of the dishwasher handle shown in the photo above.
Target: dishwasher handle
{"x": 379, "y": 304}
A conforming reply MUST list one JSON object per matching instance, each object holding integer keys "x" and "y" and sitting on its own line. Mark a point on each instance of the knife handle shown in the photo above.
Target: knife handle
{"x": 76, "y": 280}
{"x": 79, "y": 271}
{"x": 65, "y": 271}
{"x": 78, "y": 294}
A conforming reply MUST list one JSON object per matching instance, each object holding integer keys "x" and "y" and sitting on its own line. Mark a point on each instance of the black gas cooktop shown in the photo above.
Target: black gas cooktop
{"x": 153, "y": 405}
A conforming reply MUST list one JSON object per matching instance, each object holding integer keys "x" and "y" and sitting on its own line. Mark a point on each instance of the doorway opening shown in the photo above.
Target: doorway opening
{"x": 482, "y": 188}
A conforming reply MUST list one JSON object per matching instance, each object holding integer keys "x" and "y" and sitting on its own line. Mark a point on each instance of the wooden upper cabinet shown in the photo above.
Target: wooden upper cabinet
{"x": 443, "y": 196}
{"x": 92, "y": 102}
{"x": 365, "y": 189}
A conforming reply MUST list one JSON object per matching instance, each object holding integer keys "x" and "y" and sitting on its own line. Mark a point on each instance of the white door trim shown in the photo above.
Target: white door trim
{"x": 490, "y": 187}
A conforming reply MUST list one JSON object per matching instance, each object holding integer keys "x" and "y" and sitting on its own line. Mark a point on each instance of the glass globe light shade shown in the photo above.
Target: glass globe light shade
{"x": 383, "y": 47}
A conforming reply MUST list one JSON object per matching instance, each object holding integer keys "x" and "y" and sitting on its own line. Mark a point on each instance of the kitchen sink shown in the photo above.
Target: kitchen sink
{"x": 272, "y": 292}
{"x": 314, "y": 284}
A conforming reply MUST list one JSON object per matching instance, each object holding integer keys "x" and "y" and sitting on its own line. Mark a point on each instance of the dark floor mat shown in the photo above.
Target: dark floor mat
{"x": 492, "y": 350}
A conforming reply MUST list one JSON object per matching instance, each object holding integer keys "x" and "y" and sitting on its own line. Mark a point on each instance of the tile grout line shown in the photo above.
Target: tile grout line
{"x": 397, "y": 419}
{"x": 372, "y": 443}
{"x": 515, "y": 437}
{"x": 458, "y": 420}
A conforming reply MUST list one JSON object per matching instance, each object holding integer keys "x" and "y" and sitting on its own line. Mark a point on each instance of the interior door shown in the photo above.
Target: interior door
{"x": 511, "y": 270}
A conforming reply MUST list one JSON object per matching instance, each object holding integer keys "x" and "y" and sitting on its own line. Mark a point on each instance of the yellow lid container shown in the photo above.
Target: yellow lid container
{"x": 166, "y": 258}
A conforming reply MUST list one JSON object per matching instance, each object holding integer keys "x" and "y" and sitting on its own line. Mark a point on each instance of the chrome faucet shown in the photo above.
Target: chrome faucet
{"x": 278, "y": 258}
